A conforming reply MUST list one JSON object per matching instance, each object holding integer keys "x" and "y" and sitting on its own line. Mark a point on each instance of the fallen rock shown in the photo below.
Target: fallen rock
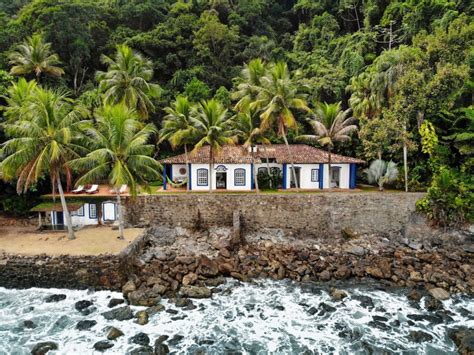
{"x": 161, "y": 349}
{"x": 146, "y": 298}
{"x": 195, "y": 292}
{"x": 349, "y": 233}
{"x": 29, "y": 324}
{"x": 439, "y": 293}
{"x": 374, "y": 272}
{"x": 85, "y": 324}
{"x": 207, "y": 267}
{"x": 189, "y": 279}
{"x": 121, "y": 313}
{"x": 143, "y": 350}
{"x": 140, "y": 339}
{"x": 418, "y": 336}
{"x": 128, "y": 287}
{"x": 103, "y": 345}
{"x": 432, "y": 304}
{"x": 414, "y": 295}
{"x": 115, "y": 302}
{"x": 325, "y": 275}
{"x": 354, "y": 250}
{"x": 175, "y": 339}
{"x": 154, "y": 309}
{"x": 182, "y": 302}
{"x": 342, "y": 272}
{"x": 43, "y": 347}
{"x": 415, "y": 276}
{"x": 114, "y": 333}
{"x": 142, "y": 317}
{"x": 55, "y": 298}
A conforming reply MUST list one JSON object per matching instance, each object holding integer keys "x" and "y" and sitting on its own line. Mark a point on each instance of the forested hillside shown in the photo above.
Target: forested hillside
{"x": 403, "y": 68}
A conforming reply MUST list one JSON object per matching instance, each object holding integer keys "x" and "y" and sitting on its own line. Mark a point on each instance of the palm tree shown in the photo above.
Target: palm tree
{"x": 178, "y": 130}
{"x": 278, "y": 96}
{"x": 119, "y": 152}
{"x": 381, "y": 172}
{"x": 43, "y": 143}
{"x": 213, "y": 129}
{"x": 34, "y": 56}
{"x": 17, "y": 95}
{"x": 331, "y": 124}
{"x": 247, "y": 129}
{"x": 127, "y": 80}
{"x": 365, "y": 103}
{"x": 248, "y": 83}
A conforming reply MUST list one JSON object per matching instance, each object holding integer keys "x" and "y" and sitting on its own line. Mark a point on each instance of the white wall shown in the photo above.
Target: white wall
{"x": 305, "y": 175}
{"x": 108, "y": 214}
{"x": 109, "y": 211}
{"x": 230, "y": 176}
{"x": 175, "y": 171}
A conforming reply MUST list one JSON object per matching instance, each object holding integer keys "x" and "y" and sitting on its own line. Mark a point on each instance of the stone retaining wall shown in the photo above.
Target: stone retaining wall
{"x": 74, "y": 272}
{"x": 313, "y": 214}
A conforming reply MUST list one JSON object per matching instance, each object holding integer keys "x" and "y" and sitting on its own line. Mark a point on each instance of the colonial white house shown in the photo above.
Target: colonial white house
{"x": 233, "y": 168}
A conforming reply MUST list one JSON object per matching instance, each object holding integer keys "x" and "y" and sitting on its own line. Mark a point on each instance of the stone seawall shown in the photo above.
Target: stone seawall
{"x": 75, "y": 272}
{"x": 309, "y": 214}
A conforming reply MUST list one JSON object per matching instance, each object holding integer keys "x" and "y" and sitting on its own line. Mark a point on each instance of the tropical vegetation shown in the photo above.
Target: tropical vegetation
{"x": 254, "y": 71}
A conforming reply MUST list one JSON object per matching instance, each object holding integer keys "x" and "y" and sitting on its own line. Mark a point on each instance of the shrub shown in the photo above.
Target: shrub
{"x": 270, "y": 181}
{"x": 449, "y": 201}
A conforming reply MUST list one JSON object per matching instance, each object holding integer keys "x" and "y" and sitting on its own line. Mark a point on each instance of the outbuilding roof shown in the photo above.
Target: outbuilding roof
{"x": 237, "y": 154}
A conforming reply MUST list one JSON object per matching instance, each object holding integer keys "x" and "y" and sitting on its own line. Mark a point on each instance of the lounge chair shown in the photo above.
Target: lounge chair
{"x": 123, "y": 189}
{"x": 78, "y": 189}
{"x": 93, "y": 190}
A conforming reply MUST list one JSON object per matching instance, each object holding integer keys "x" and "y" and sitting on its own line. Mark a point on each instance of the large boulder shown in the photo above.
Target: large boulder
{"x": 464, "y": 340}
{"x": 128, "y": 287}
{"x": 439, "y": 293}
{"x": 207, "y": 267}
{"x": 195, "y": 292}
{"x": 114, "y": 333}
{"x": 82, "y": 305}
{"x": 144, "y": 297}
{"x": 121, "y": 313}
{"x": 189, "y": 279}
{"x": 140, "y": 339}
{"x": 115, "y": 302}
{"x": 142, "y": 317}
{"x": 55, "y": 298}
{"x": 103, "y": 345}
{"x": 85, "y": 324}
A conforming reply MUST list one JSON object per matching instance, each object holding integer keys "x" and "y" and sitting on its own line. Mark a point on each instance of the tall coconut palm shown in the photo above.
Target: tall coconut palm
{"x": 178, "y": 130}
{"x": 247, "y": 129}
{"x": 278, "y": 97}
{"x": 248, "y": 83}
{"x": 365, "y": 102}
{"x": 127, "y": 80}
{"x": 120, "y": 152}
{"x": 331, "y": 124}
{"x": 213, "y": 128}
{"x": 34, "y": 56}
{"x": 16, "y": 97}
{"x": 43, "y": 143}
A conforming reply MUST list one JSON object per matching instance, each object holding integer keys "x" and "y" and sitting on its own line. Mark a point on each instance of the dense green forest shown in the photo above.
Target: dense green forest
{"x": 404, "y": 69}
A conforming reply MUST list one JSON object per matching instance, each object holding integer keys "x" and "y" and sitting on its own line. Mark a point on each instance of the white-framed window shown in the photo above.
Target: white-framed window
{"x": 314, "y": 175}
{"x": 79, "y": 212}
{"x": 239, "y": 177}
{"x": 92, "y": 211}
{"x": 202, "y": 177}
{"x": 262, "y": 170}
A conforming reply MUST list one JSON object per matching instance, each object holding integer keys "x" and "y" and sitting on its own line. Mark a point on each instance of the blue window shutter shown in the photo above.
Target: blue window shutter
{"x": 352, "y": 176}
{"x": 171, "y": 172}
{"x": 252, "y": 186}
{"x": 284, "y": 176}
{"x": 164, "y": 176}
{"x": 321, "y": 176}
{"x": 190, "y": 182}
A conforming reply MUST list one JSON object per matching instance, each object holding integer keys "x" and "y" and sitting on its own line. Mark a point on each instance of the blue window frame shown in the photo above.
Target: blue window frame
{"x": 239, "y": 177}
{"x": 202, "y": 177}
{"x": 92, "y": 211}
{"x": 314, "y": 175}
{"x": 79, "y": 212}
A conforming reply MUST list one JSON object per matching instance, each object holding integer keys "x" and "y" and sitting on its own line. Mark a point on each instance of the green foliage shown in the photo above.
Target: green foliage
{"x": 450, "y": 199}
{"x": 381, "y": 173}
{"x": 197, "y": 90}
{"x": 271, "y": 181}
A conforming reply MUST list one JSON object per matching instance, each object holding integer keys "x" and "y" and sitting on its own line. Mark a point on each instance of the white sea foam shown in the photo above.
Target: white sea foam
{"x": 261, "y": 318}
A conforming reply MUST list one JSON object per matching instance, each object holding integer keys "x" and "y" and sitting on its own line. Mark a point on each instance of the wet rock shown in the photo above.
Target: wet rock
{"x": 176, "y": 339}
{"x": 146, "y": 298}
{"x": 43, "y": 347}
{"x": 439, "y": 293}
{"x": 432, "y": 304}
{"x": 154, "y": 309}
{"x": 140, "y": 339}
{"x": 115, "y": 302}
{"x": 418, "y": 336}
{"x": 114, "y": 333}
{"x": 414, "y": 295}
{"x": 207, "y": 267}
{"x": 379, "y": 325}
{"x": 195, "y": 292}
{"x": 85, "y": 324}
{"x": 214, "y": 282}
{"x": 159, "y": 289}
{"x": 82, "y": 305}
{"x": 225, "y": 268}
{"x": 365, "y": 301}
{"x": 189, "y": 279}
{"x": 172, "y": 311}
{"x": 161, "y": 339}
{"x": 55, "y": 298}
{"x": 121, "y": 313}
{"x": 379, "y": 318}
{"x": 342, "y": 273}
{"x": 325, "y": 275}
{"x": 325, "y": 308}
{"x": 103, "y": 345}
{"x": 29, "y": 324}
{"x": 183, "y": 302}
{"x": 128, "y": 287}
{"x": 337, "y": 294}
{"x": 161, "y": 349}
{"x": 431, "y": 318}
{"x": 464, "y": 340}
{"x": 375, "y": 272}
{"x": 143, "y": 350}
{"x": 142, "y": 317}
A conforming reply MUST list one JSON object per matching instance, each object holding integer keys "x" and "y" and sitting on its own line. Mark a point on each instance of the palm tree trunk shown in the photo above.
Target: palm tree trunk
{"x": 255, "y": 179}
{"x": 188, "y": 182}
{"x": 268, "y": 166}
{"x": 329, "y": 168}
{"x": 405, "y": 156}
{"x": 211, "y": 160}
{"x": 98, "y": 206}
{"x": 120, "y": 214}
{"x": 67, "y": 216}
{"x": 291, "y": 162}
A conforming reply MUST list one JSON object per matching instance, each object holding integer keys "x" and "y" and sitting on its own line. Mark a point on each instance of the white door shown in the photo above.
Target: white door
{"x": 109, "y": 211}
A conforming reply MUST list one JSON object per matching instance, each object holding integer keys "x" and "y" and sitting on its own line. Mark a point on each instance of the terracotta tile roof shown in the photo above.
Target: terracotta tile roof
{"x": 302, "y": 154}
